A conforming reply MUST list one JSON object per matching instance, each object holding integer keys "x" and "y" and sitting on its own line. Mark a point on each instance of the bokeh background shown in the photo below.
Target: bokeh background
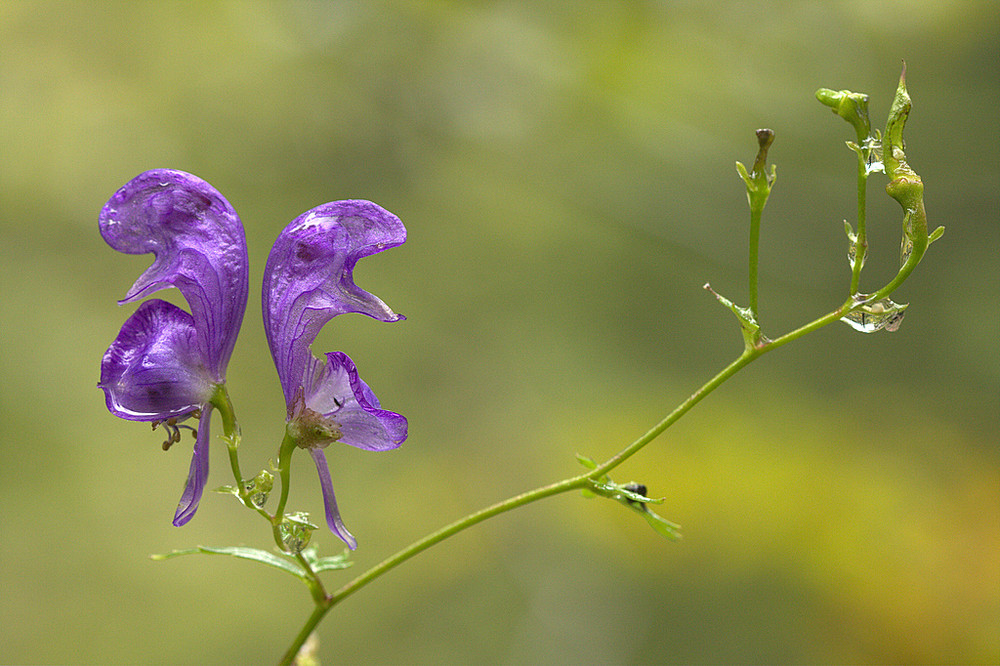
{"x": 565, "y": 171}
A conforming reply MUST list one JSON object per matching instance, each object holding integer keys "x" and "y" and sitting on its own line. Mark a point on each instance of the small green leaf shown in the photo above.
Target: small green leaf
{"x": 262, "y": 556}
{"x": 341, "y": 561}
{"x": 748, "y": 323}
{"x": 663, "y": 526}
{"x": 849, "y": 230}
{"x": 586, "y": 462}
{"x": 742, "y": 170}
{"x": 227, "y": 490}
{"x": 632, "y": 496}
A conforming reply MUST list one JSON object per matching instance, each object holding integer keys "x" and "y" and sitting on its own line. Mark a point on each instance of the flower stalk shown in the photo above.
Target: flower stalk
{"x": 758, "y": 183}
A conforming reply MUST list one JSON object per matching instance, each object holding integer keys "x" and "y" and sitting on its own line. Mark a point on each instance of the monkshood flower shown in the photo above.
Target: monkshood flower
{"x": 167, "y": 364}
{"x": 308, "y": 281}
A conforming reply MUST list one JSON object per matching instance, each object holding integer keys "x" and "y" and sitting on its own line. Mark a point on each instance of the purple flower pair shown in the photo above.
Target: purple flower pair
{"x": 168, "y": 365}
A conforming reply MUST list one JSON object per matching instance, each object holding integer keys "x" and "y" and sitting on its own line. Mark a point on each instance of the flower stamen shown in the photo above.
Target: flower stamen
{"x": 174, "y": 429}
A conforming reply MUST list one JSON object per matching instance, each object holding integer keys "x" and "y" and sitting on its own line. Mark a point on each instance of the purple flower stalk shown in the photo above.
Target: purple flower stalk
{"x": 308, "y": 281}
{"x": 167, "y": 364}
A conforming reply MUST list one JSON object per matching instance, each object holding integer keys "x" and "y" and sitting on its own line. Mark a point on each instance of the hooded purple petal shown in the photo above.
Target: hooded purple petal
{"x": 309, "y": 279}
{"x": 198, "y": 473}
{"x": 200, "y": 248}
{"x": 333, "y": 519}
{"x": 334, "y": 390}
{"x": 153, "y": 370}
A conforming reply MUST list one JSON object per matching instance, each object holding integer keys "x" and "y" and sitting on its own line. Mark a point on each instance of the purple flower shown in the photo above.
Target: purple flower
{"x": 166, "y": 364}
{"x": 308, "y": 281}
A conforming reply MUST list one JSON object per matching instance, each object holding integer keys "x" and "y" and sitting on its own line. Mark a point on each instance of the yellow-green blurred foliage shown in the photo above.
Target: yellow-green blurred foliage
{"x": 565, "y": 170}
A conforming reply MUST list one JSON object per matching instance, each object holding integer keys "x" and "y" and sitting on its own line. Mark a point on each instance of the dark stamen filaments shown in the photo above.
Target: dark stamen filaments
{"x": 174, "y": 430}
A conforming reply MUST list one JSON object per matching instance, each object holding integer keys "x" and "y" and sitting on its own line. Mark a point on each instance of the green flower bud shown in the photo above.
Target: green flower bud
{"x": 759, "y": 182}
{"x": 904, "y": 184}
{"x": 851, "y": 106}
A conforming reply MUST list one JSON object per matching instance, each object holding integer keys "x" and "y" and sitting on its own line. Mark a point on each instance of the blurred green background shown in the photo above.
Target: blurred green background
{"x": 565, "y": 171}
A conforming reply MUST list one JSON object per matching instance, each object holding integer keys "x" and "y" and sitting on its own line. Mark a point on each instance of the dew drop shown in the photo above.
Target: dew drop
{"x": 876, "y": 316}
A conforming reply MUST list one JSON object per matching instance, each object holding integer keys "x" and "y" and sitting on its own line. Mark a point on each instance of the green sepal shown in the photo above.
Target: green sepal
{"x": 243, "y": 553}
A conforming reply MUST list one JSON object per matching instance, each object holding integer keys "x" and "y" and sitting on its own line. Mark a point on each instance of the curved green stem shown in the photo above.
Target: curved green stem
{"x": 231, "y": 431}
{"x": 231, "y": 434}
{"x": 285, "y": 474}
{"x": 326, "y": 602}
{"x": 758, "y": 188}
{"x": 572, "y": 483}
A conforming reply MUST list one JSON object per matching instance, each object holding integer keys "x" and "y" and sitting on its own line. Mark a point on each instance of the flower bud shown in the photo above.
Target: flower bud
{"x": 851, "y": 106}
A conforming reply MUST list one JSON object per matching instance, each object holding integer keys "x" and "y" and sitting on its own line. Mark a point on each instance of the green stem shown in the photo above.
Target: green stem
{"x": 754, "y": 349}
{"x": 920, "y": 244}
{"x": 307, "y": 629}
{"x": 755, "y": 215}
{"x": 220, "y": 400}
{"x": 715, "y": 382}
{"x": 861, "y": 240}
{"x": 325, "y": 603}
{"x": 423, "y": 544}
{"x": 814, "y": 325}
{"x": 285, "y": 474}
{"x": 573, "y": 483}
{"x": 231, "y": 433}
{"x": 316, "y": 587}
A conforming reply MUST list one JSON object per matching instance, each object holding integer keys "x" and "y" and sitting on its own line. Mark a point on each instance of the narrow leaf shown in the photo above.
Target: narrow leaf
{"x": 341, "y": 561}
{"x": 243, "y": 553}
{"x": 663, "y": 526}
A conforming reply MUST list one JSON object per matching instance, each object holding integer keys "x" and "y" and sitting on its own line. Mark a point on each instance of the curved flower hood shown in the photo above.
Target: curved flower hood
{"x": 166, "y": 364}
{"x": 309, "y": 280}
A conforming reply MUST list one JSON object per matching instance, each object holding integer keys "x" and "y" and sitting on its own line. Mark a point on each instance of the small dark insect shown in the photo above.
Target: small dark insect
{"x": 637, "y": 488}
